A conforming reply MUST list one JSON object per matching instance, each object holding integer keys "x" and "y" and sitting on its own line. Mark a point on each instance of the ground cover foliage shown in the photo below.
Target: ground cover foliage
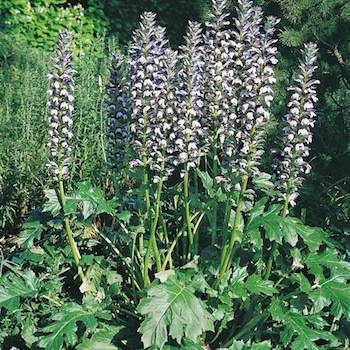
{"x": 190, "y": 241}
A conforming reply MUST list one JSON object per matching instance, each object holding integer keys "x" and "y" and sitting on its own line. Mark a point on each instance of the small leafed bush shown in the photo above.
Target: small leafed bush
{"x": 193, "y": 246}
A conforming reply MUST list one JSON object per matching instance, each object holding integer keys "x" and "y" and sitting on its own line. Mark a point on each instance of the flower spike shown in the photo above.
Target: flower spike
{"x": 300, "y": 121}
{"x": 61, "y": 108}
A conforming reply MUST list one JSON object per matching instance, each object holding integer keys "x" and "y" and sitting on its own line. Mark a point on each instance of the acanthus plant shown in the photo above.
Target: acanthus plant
{"x": 201, "y": 244}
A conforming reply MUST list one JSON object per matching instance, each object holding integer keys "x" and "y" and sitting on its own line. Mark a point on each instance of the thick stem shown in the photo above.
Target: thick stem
{"x": 152, "y": 246}
{"x": 227, "y": 251}
{"x": 187, "y": 213}
{"x": 69, "y": 232}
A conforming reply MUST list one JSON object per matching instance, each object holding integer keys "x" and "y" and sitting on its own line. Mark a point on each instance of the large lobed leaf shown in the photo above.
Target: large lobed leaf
{"x": 13, "y": 287}
{"x": 300, "y": 331}
{"x": 93, "y": 200}
{"x": 63, "y": 329}
{"x": 172, "y": 309}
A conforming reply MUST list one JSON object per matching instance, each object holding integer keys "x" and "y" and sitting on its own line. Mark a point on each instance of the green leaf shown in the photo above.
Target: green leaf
{"x": 334, "y": 293}
{"x": 64, "y": 327}
{"x": 257, "y": 285}
{"x": 101, "y": 340}
{"x": 31, "y": 230}
{"x": 303, "y": 282}
{"x": 330, "y": 259}
{"x": 28, "y": 331}
{"x": 124, "y": 216}
{"x": 254, "y": 223}
{"x": 236, "y": 345}
{"x": 270, "y": 221}
{"x": 93, "y": 200}
{"x": 52, "y": 204}
{"x": 263, "y": 182}
{"x": 300, "y": 331}
{"x": 207, "y": 181}
{"x": 172, "y": 309}
{"x": 265, "y": 345}
{"x": 312, "y": 236}
{"x": 240, "y": 345}
{"x": 289, "y": 228}
{"x": 13, "y": 287}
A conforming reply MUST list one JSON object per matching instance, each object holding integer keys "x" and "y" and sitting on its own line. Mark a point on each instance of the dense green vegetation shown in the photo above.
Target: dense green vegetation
{"x": 93, "y": 261}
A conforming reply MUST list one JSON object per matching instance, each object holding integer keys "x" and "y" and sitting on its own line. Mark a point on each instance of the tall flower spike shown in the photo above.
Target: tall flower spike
{"x": 239, "y": 43}
{"x": 118, "y": 112}
{"x": 218, "y": 56}
{"x": 162, "y": 119}
{"x": 188, "y": 130}
{"x": 149, "y": 69}
{"x": 257, "y": 93}
{"x": 61, "y": 107}
{"x": 298, "y": 130}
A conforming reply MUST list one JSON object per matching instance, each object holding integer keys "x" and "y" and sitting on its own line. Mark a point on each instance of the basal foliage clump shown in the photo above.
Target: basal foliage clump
{"x": 196, "y": 247}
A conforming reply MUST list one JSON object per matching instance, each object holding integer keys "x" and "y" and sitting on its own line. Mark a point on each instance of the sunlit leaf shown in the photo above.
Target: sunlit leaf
{"x": 172, "y": 310}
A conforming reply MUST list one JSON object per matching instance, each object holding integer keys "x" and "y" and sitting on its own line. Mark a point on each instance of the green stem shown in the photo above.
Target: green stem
{"x": 215, "y": 204}
{"x": 170, "y": 251}
{"x": 145, "y": 183}
{"x": 227, "y": 215}
{"x": 69, "y": 232}
{"x": 187, "y": 213}
{"x": 227, "y": 252}
{"x": 152, "y": 246}
{"x": 147, "y": 191}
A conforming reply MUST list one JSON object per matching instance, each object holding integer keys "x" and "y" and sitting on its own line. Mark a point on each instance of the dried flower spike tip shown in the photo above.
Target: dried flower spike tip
{"x": 61, "y": 107}
{"x": 118, "y": 112}
{"x": 299, "y": 124}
